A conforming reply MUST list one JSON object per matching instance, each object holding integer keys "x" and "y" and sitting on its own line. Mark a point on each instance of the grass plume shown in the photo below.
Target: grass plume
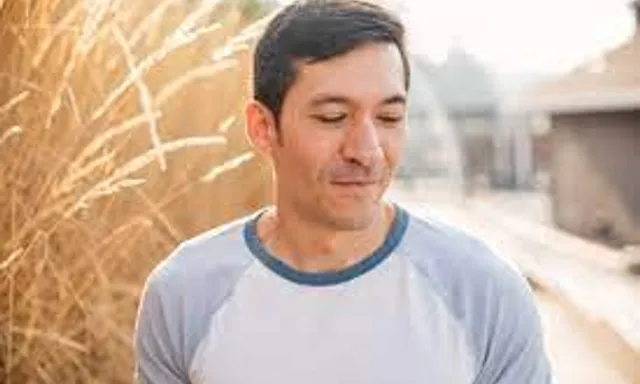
{"x": 92, "y": 95}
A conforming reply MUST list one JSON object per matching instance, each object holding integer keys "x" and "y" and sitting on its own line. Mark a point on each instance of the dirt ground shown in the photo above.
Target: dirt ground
{"x": 581, "y": 350}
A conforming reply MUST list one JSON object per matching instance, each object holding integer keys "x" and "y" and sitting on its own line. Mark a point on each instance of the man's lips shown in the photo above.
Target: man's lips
{"x": 354, "y": 182}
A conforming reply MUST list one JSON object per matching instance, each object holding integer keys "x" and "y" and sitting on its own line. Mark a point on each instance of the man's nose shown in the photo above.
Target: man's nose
{"x": 362, "y": 143}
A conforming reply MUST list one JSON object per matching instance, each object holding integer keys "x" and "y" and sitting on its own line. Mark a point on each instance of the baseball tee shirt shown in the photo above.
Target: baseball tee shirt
{"x": 430, "y": 305}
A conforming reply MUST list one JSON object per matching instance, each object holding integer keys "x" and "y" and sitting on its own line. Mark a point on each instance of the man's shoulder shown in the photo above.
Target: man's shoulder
{"x": 184, "y": 291}
{"x": 484, "y": 291}
{"x": 211, "y": 256}
{"x": 441, "y": 246}
{"x": 461, "y": 267}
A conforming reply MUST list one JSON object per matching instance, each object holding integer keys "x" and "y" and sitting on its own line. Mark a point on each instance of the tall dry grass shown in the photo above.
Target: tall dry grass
{"x": 119, "y": 137}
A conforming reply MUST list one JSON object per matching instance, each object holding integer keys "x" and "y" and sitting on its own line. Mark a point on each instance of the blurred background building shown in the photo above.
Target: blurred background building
{"x": 574, "y": 136}
{"x": 595, "y": 151}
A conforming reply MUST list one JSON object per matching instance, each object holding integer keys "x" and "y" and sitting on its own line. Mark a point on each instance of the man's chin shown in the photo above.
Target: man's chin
{"x": 356, "y": 218}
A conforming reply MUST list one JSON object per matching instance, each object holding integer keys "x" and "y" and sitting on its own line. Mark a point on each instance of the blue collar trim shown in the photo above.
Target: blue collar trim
{"x": 396, "y": 232}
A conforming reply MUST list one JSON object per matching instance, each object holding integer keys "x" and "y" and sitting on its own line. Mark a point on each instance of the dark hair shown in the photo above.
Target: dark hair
{"x": 317, "y": 30}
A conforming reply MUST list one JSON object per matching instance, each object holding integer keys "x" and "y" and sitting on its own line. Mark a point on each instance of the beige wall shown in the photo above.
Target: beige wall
{"x": 596, "y": 175}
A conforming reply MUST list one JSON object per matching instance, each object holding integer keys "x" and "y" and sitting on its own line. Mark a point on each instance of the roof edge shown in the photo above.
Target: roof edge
{"x": 580, "y": 102}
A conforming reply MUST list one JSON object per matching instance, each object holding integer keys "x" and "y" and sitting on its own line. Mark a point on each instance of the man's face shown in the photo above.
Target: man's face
{"x": 341, "y": 129}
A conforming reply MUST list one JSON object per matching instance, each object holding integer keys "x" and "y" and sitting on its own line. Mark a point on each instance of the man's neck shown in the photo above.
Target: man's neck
{"x": 309, "y": 247}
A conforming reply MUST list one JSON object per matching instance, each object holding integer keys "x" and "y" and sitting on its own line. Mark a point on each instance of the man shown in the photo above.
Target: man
{"x": 333, "y": 284}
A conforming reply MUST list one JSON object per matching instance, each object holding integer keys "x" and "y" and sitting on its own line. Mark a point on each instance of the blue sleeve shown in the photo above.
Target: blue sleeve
{"x": 157, "y": 351}
{"x": 178, "y": 301}
{"x": 489, "y": 297}
{"x": 515, "y": 351}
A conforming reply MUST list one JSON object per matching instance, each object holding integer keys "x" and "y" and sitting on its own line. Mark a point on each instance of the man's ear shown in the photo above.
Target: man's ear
{"x": 260, "y": 127}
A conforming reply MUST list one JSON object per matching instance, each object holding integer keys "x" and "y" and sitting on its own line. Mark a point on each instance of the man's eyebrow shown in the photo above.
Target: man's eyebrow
{"x": 329, "y": 99}
{"x": 395, "y": 99}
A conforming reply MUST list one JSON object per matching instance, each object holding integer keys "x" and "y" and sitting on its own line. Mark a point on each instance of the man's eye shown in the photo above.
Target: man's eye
{"x": 335, "y": 118}
{"x": 390, "y": 118}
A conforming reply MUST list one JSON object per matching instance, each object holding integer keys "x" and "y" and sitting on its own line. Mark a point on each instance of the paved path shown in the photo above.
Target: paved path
{"x": 580, "y": 351}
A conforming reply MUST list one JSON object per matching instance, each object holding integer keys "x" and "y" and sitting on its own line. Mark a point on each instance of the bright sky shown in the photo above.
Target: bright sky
{"x": 515, "y": 35}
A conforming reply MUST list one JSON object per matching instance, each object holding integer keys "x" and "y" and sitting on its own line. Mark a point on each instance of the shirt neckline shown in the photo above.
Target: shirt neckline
{"x": 391, "y": 241}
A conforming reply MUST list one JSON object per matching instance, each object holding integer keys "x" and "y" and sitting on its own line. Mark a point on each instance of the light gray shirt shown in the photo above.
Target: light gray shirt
{"x": 431, "y": 305}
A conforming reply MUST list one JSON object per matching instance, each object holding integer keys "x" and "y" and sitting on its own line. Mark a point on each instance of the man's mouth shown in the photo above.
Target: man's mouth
{"x": 354, "y": 183}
